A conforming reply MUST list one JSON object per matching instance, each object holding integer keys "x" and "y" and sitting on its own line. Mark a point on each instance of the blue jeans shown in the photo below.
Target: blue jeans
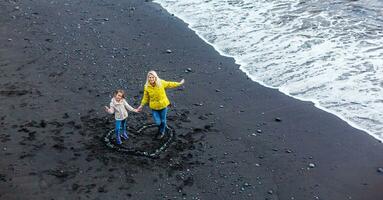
{"x": 120, "y": 123}
{"x": 159, "y": 117}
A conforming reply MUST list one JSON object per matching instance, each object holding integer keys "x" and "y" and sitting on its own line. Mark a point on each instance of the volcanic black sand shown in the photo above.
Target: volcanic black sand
{"x": 234, "y": 139}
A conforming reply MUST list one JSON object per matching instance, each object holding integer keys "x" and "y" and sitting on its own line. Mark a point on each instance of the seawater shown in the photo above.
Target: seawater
{"x": 329, "y": 52}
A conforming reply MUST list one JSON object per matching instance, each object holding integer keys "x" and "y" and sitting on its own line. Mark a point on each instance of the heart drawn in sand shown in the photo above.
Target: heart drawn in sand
{"x": 141, "y": 142}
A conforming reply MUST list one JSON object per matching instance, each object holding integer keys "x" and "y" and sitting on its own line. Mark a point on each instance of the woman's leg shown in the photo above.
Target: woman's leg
{"x": 163, "y": 114}
{"x": 156, "y": 117}
{"x": 124, "y": 131}
{"x": 117, "y": 130}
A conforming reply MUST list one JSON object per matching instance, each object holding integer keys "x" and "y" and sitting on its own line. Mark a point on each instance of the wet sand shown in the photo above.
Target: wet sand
{"x": 234, "y": 139}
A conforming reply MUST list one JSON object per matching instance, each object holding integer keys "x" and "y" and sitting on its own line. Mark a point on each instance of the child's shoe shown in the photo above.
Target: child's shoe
{"x": 125, "y": 136}
{"x": 119, "y": 141}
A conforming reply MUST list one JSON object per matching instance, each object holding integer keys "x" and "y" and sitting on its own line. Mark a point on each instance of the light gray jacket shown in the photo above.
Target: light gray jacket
{"x": 120, "y": 109}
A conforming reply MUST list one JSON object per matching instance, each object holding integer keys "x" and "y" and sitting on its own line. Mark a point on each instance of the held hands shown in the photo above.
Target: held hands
{"x": 139, "y": 109}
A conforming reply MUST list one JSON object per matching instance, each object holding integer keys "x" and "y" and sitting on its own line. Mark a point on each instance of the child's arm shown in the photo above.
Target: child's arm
{"x": 130, "y": 108}
{"x": 109, "y": 110}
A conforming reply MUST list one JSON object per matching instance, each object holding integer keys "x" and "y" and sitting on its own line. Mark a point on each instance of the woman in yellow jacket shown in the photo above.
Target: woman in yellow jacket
{"x": 155, "y": 95}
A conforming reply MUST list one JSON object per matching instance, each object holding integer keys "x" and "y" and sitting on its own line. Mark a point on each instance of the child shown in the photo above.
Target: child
{"x": 119, "y": 106}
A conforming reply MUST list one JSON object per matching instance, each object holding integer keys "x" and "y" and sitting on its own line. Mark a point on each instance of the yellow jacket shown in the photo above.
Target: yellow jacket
{"x": 156, "y": 96}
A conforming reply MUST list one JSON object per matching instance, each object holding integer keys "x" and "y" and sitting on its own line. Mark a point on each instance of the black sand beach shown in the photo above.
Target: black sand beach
{"x": 234, "y": 139}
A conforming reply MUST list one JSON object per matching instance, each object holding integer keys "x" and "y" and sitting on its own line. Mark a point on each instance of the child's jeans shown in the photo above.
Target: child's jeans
{"x": 120, "y": 123}
{"x": 159, "y": 117}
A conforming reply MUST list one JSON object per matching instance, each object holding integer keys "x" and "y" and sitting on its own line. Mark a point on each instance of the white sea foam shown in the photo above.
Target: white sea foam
{"x": 330, "y": 53}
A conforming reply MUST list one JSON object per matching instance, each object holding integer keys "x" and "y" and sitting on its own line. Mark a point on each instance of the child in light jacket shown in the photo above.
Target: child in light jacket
{"x": 120, "y": 107}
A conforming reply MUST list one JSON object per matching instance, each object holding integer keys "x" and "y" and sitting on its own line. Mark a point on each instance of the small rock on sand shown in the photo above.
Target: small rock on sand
{"x": 311, "y": 165}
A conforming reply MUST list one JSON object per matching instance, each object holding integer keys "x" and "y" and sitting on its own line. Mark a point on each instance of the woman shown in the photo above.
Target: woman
{"x": 155, "y": 95}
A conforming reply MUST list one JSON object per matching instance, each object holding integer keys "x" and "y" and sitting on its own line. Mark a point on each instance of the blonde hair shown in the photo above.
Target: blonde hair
{"x": 157, "y": 81}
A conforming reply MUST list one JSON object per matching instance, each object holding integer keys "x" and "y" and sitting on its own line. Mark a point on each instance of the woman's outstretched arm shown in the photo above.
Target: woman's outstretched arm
{"x": 170, "y": 84}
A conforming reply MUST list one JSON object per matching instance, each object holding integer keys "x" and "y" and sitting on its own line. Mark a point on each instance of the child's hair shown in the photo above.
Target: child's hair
{"x": 119, "y": 91}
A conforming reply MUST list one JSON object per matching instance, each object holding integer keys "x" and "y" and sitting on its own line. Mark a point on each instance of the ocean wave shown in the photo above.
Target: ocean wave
{"x": 326, "y": 52}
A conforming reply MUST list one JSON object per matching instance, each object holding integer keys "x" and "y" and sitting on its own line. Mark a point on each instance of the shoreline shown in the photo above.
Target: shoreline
{"x": 234, "y": 138}
{"x": 315, "y": 102}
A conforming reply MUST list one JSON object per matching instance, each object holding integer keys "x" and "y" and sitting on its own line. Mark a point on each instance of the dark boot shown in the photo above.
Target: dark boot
{"x": 159, "y": 134}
